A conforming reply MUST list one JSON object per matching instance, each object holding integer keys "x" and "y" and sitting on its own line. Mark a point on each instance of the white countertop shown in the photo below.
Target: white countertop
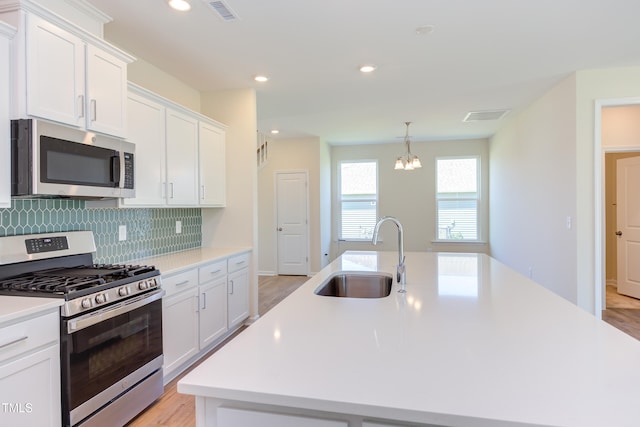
{"x": 471, "y": 343}
{"x": 13, "y": 308}
{"x": 178, "y": 261}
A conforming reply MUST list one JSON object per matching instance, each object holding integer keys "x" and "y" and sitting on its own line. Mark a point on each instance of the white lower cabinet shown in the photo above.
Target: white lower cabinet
{"x": 213, "y": 302}
{"x": 238, "y": 289}
{"x": 30, "y": 372}
{"x": 180, "y": 320}
{"x": 232, "y": 417}
{"x": 201, "y": 306}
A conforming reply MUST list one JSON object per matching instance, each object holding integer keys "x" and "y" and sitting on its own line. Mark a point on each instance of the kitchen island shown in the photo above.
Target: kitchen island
{"x": 470, "y": 343}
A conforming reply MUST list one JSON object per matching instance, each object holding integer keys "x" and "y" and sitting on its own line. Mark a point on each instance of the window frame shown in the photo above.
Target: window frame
{"x": 463, "y": 198}
{"x": 340, "y": 198}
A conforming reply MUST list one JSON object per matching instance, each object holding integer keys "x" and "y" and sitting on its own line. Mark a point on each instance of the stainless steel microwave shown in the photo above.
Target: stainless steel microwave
{"x": 53, "y": 160}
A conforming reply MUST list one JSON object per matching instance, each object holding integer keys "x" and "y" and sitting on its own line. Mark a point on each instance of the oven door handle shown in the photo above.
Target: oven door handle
{"x": 90, "y": 319}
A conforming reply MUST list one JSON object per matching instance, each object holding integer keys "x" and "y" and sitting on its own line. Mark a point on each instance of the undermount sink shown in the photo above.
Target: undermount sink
{"x": 356, "y": 285}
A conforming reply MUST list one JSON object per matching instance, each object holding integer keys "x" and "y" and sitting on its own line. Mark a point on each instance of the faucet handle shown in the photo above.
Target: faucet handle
{"x": 400, "y": 271}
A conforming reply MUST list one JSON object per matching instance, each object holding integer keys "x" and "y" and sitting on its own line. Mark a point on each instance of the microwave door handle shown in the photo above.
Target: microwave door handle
{"x": 115, "y": 169}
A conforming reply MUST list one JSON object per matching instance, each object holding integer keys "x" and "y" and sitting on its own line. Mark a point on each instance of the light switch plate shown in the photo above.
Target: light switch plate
{"x": 178, "y": 227}
{"x": 122, "y": 233}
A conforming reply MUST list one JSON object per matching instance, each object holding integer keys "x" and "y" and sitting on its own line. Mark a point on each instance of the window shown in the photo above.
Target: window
{"x": 358, "y": 199}
{"x": 457, "y": 198}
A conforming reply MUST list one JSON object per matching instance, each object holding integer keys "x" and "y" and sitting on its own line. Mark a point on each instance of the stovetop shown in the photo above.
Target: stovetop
{"x": 60, "y": 265}
{"x": 75, "y": 282}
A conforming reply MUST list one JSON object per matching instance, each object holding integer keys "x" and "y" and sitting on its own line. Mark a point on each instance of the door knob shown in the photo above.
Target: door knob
{"x": 279, "y": 228}
{"x": 618, "y": 233}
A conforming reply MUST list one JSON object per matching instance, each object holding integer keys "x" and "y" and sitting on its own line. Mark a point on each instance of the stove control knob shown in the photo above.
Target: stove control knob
{"x": 86, "y": 303}
{"x": 142, "y": 285}
{"x": 122, "y": 291}
{"x": 100, "y": 299}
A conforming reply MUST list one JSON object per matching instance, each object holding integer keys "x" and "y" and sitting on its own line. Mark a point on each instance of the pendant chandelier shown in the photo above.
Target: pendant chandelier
{"x": 408, "y": 161}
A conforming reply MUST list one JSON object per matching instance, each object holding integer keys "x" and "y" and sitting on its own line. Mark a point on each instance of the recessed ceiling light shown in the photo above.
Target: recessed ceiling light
{"x": 181, "y": 5}
{"x": 368, "y": 68}
{"x": 261, "y": 79}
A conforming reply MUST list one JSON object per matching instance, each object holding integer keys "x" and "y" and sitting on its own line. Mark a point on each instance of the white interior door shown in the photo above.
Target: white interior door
{"x": 292, "y": 223}
{"x": 628, "y": 219}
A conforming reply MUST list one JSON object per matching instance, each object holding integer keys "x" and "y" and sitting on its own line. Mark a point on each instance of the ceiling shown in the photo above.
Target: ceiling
{"x": 481, "y": 55}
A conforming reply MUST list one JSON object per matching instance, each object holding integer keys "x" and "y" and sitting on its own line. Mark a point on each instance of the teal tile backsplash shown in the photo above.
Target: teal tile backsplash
{"x": 150, "y": 232}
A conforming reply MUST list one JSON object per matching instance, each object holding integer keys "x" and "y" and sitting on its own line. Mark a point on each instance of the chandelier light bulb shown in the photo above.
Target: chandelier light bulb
{"x": 408, "y": 161}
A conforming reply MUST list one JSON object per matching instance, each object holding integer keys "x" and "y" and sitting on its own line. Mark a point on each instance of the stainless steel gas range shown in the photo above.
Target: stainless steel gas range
{"x": 110, "y": 324}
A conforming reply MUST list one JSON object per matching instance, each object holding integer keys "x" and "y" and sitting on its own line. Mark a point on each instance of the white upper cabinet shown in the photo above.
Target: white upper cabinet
{"x": 180, "y": 154}
{"x": 212, "y": 165}
{"x": 146, "y": 129}
{"x": 182, "y": 159}
{"x": 64, "y": 74}
{"x": 6, "y": 32}
{"x": 55, "y": 73}
{"x": 106, "y": 92}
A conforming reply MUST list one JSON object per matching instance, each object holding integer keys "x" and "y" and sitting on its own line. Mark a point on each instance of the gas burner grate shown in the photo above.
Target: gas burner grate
{"x": 50, "y": 284}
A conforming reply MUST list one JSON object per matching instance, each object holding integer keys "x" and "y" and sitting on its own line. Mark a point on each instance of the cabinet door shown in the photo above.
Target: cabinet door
{"x": 182, "y": 159}
{"x": 146, "y": 129}
{"x": 179, "y": 329}
{"x": 212, "y": 165}
{"x": 238, "y": 297}
{"x": 5, "y": 147}
{"x": 55, "y": 73}
{"x": 213, "y": 311}
{"x": 30, "y": 389}
{"x": 106, "y": 92}
{"x": 232, "y": 417}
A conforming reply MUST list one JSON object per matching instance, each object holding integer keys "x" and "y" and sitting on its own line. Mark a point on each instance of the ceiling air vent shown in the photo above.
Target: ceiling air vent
{"x": 475, "y": 116}
{"x": 223, "y": 10}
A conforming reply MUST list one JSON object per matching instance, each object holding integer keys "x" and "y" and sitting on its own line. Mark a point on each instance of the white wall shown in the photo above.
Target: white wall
{"x": 236, "y": 224}
{"x": 593, "y": 85}
{"x": 533, "y": 187}
{"x": 325, "y": 204}
{"x": 154, "y": 79}
{"x": 295, "y": 154}
{"x": 621, "y": 126}
{"x": 410, "y": 195}
{"x": 553, "y": 141}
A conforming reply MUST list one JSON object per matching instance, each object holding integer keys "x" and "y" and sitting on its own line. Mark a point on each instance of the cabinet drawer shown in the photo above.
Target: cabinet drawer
{"x": 212, "y": 271}
{"x": 179, "y": 282}
{"x": 238, "y": 262}
{"x": 24, "y": 336}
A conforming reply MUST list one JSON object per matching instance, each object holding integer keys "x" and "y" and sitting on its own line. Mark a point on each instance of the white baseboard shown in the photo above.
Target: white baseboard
{"x": 267, "y": 273}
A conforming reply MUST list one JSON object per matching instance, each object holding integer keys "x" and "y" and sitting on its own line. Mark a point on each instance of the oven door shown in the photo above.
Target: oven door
{"x": 105, "y": 352}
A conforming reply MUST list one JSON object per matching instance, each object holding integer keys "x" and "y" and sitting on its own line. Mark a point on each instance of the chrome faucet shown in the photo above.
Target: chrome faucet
{"x": 401, "y": 270}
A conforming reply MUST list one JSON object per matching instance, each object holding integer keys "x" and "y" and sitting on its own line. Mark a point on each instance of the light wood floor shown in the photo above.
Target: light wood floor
{"x": 178, "y": 410}
{"x": 623, "y": 312}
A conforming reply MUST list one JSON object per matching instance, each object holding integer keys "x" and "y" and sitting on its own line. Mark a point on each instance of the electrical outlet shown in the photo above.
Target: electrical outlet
{"x": 530, "y": 272}
{"x": 569, "y": 223}
{"x": 122, "y": 233}
{"x": 178, "y": 227}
